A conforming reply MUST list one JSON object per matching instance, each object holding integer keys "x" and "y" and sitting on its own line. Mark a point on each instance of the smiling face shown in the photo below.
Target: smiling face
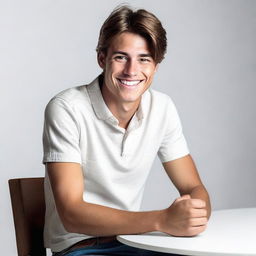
{"x": 128, "y": 69}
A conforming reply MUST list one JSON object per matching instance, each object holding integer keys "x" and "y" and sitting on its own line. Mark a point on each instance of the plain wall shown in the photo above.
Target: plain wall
{"x": 209, "y": 71}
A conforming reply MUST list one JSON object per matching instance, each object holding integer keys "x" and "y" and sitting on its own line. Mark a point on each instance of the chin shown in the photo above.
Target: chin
{"x": 131, "y": 99}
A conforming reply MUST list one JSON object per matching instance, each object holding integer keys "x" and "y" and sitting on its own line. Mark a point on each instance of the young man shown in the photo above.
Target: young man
{"x": 100, "y": 141}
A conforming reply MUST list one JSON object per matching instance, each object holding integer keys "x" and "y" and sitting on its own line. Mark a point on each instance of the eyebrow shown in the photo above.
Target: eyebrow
{"x": 126, "y": 54}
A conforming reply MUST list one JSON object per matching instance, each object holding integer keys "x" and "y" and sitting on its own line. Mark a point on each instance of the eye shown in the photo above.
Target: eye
{"x": 120, "y": 58}
{"x": 145, "y": 60}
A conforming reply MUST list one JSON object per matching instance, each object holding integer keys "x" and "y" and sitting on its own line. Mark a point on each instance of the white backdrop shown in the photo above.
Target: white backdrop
{"x": 209, "y": 71}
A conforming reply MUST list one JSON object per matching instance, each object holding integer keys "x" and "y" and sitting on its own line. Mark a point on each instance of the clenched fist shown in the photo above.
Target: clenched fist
{"x": 185, "y": 217}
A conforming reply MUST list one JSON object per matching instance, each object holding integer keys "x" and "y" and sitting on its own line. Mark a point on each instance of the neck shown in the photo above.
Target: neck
{"x": 123, "y": 111}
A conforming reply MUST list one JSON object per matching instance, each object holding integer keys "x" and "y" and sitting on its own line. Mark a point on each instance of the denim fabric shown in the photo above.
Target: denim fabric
{"x": 113, "y": 248}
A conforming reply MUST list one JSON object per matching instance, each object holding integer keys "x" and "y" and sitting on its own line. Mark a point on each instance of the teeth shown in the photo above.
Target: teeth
{"x": 130, "y": 83}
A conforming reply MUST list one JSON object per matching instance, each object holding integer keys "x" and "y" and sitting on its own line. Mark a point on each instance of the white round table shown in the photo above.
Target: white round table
{"x": 229, "y": 232}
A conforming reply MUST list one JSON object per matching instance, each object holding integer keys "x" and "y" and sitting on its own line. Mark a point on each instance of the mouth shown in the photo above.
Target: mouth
{"x": 129, "y": 83}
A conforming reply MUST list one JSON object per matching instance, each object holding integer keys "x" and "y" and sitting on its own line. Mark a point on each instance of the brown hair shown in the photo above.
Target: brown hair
{"x": 141, "y": 22}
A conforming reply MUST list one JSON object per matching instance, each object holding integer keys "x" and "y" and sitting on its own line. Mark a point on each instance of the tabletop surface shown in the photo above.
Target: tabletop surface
{"x": 229, "y": 232}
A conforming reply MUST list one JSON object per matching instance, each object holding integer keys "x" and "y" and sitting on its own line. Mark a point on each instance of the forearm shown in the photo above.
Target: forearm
{"x": 199, "y": 192}
{"x": 79, "y": 216}
{"x": 97, "y": 220}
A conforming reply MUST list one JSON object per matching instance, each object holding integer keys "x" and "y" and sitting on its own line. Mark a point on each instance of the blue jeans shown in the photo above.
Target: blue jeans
{"x": 113, "y": 248}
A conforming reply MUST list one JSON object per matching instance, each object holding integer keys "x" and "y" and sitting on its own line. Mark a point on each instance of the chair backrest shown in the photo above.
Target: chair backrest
{"x": 28, "y": 206}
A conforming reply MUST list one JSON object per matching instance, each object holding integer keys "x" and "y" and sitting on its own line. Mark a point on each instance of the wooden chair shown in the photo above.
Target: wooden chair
{"x": 28, "y": 206}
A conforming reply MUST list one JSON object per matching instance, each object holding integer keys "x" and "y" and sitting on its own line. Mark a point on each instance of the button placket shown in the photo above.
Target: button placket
{"x": 127, "y": 139}
{"x": 124, "y": 144}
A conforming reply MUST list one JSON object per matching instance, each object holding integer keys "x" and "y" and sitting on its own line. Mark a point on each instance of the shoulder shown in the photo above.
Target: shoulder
{"x": 71, "y": 97}
{"x": 74, "y": 100}
{"x": 161, "y": 100}
{"x": 63, "y": 104}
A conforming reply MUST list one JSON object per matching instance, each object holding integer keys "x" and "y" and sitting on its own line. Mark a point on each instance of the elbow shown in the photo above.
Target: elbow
{"x": 72, "y": 224}
{"x": 75, "y": 219}
{"x": 70, "y": 227}
{"x": 69, "y": 221}
{"x": 70, "y": 217}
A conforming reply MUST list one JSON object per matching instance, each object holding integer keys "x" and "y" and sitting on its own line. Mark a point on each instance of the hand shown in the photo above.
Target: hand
{"x": 185, "y": 217}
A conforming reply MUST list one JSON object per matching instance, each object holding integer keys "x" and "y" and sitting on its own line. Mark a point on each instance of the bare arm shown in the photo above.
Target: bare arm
{"x": 189, "y": 214}
{"x": 96, "y": 220}
{"x": 185, "y": 177}
{"x": 91, "y": 219}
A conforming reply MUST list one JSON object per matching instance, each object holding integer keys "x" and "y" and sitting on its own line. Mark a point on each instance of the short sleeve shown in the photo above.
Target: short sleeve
{"x": 173, "y": 145}
{"x": 61, "y": 133}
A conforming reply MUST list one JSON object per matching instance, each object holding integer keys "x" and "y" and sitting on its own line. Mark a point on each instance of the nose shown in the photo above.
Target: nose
{"x": 131, "y": 68}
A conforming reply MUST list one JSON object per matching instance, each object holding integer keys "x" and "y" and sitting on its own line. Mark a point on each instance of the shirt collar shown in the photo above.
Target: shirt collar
{"x": 101, "y": 109}
{"x": 99, "y": 106}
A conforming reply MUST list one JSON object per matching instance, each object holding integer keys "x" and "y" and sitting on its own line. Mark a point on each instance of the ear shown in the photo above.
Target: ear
{"x": 101, "y": 60}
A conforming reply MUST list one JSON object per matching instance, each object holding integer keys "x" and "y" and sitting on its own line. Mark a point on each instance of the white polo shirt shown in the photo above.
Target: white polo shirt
{"x": 115, "y": 162}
